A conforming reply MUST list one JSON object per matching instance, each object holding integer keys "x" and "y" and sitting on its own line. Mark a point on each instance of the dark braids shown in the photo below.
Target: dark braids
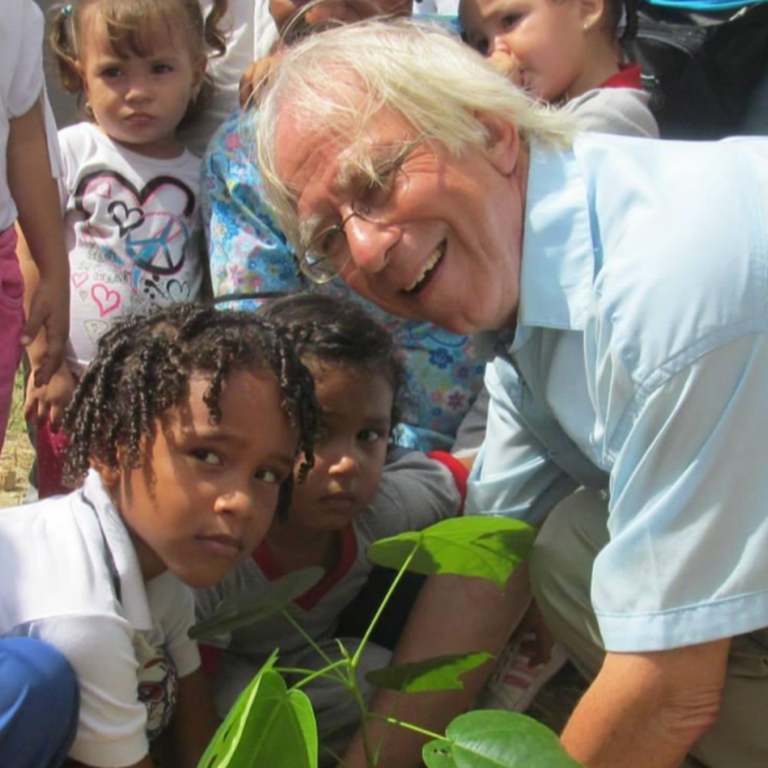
{"x": 339, "y": 332}
{"x": 143, "y": 366}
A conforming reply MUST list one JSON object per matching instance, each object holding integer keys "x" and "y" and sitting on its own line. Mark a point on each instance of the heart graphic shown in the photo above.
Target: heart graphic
{"x": 106, "y": 299}
{"x": 177, "y": 291}
{"x": 79, "y": 279}
{"x": 96, "y": 329}
{"x": 126, "y": 218}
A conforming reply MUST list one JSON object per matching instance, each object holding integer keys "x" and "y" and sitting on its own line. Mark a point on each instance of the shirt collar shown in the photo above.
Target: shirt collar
{"x": 134, "y": 603}
{"x": 558, "y": 263}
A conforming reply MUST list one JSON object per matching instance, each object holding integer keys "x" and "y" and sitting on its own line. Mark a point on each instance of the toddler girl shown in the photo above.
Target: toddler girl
{"x": 179, "y": 488}
{"x": 348, "y": 501}
{"x": 566, "y": 52}
{"x": 129, "y": 190}
{"x": 27, "y": 193}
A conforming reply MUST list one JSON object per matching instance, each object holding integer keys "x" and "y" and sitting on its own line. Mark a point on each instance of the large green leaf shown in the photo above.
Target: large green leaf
{"x": 246, "y": 608}
{"x": 496, "y": 739}
{"x": 481, "y": 545}
{"x": 268, "y": 726}
{"x": 440, "y": 673}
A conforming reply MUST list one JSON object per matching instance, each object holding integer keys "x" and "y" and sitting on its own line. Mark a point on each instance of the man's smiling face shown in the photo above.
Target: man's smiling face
{"x": 442, "y": 244}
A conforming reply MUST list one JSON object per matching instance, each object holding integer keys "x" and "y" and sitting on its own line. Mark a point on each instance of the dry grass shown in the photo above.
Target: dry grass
{"x": 17, "y": 452}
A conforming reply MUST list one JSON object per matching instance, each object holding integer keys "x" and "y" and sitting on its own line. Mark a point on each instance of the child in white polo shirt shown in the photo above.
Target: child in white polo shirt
{"x": 179, "y": 488}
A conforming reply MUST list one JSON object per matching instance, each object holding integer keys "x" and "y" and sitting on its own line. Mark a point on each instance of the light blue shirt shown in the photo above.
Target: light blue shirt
{"x": 640, "y": 365}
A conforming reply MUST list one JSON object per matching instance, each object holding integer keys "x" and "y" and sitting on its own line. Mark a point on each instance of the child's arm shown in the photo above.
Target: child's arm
{"x": 51, "y": 399}
{"x": 36, "y": 195}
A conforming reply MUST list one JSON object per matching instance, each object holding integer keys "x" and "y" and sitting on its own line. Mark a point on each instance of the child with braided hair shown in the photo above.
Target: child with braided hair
{"x": 178, "y": 489}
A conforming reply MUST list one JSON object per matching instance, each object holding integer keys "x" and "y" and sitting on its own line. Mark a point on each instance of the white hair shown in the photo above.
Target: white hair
{"x": 338, "y": 81}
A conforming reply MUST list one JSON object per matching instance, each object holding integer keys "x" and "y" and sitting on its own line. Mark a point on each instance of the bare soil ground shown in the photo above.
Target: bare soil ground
{"x": 17, "y": 454}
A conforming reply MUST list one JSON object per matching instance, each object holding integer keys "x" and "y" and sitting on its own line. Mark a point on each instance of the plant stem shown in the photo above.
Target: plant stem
{"x": 408, "y": 726}
{"x": 383, "y": 605}
{"x": 310, "y": 675}
{"x": 330, "y": 664}
{"x": 371, "y": 755}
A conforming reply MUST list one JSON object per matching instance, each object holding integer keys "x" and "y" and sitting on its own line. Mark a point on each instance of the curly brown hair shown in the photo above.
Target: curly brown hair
{"x": 143, "y": 366}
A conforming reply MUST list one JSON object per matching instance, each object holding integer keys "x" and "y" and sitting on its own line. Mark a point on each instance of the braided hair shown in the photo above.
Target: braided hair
{"x": 143, "y": 366}
{"x": 341, "y": 332}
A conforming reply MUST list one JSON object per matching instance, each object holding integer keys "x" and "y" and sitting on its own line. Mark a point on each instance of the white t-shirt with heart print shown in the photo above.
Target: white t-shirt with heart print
{"x": 132, "y": 233}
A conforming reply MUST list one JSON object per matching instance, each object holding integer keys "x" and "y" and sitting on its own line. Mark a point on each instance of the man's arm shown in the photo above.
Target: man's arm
{"x": 646, "y": 710}
{"x": 452, "y": 615}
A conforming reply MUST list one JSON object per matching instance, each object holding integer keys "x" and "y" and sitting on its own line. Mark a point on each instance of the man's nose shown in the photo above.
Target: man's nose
{"x": 369, "y": 243}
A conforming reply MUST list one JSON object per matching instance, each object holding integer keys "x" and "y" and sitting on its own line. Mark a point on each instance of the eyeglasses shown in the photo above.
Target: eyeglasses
{"x": 327, "y": 253}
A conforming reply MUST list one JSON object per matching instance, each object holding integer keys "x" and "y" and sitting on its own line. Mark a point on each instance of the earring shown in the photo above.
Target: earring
{"x": 586, "y": 27}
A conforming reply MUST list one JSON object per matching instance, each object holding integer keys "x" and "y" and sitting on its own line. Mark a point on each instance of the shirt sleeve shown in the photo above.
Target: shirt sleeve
{"x": 415, "y": 492}
{"x": 512, "y": 475}
{"x": 249, "y": 255}
{"x": 688, "y": 531}
{"x": 112, "y": 721}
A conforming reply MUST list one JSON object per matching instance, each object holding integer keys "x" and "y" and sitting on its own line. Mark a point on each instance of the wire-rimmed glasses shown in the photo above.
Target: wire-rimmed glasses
{"x": 327, "y": 253}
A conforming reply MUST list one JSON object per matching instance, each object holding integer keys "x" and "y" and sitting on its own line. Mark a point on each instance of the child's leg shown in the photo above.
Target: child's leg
{"x": 39, "y": 696}
{"x": 11, "y": 323}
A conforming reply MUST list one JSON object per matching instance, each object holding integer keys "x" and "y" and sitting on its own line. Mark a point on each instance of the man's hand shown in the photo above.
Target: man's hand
{"x": 646, "y": 710}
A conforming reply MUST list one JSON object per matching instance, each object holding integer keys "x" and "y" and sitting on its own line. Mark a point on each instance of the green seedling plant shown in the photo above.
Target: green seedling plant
{"x": 272, "y": 725}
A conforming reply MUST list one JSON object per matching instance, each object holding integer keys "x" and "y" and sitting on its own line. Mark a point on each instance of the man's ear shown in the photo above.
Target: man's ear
{"x": 503, "y": 145}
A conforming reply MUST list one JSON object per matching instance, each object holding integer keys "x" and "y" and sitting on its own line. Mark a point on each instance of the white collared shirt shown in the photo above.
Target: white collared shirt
{"x": 58, "y": 587}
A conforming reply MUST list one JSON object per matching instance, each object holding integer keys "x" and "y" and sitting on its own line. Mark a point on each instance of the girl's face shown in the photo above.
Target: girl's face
{"x": 205, "y": 494}
{"x": 540, "y": 43}
{"x": 139, "y": 101}
{"x": 356, "y": 407}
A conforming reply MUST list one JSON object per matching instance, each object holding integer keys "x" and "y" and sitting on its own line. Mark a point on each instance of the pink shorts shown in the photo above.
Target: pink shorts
{"x": 11, "y": 322}
{"x": 51, "y": 449}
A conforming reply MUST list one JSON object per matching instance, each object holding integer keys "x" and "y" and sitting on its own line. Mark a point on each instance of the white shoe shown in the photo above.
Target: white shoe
{"x": 513, "y": 685}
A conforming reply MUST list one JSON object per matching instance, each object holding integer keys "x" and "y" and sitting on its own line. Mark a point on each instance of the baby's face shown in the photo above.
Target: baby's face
{"x": 356, "y": 407}
{"x": 205, "y": 494}
{"x": 539, "y": 44}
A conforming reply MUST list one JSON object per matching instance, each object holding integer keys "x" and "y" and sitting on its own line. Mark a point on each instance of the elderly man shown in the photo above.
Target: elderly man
{"x": 625, "y": 286}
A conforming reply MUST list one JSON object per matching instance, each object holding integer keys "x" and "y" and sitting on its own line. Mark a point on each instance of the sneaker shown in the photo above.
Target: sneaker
{"x": 513, "y": 685}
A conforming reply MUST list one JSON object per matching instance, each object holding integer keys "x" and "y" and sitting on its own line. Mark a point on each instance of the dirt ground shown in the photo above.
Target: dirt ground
{"x": 17, "y": 454}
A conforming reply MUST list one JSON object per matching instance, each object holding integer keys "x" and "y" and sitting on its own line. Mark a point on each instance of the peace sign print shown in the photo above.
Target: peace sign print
{"x": 148, "y": 227}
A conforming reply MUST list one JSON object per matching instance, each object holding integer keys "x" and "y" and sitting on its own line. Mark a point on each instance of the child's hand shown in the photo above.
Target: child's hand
{"x": 505, "y": 64}
{"x": 255, "y": 78}
{"x": 50, "y": 400}
{"x": 49, "y": 309}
